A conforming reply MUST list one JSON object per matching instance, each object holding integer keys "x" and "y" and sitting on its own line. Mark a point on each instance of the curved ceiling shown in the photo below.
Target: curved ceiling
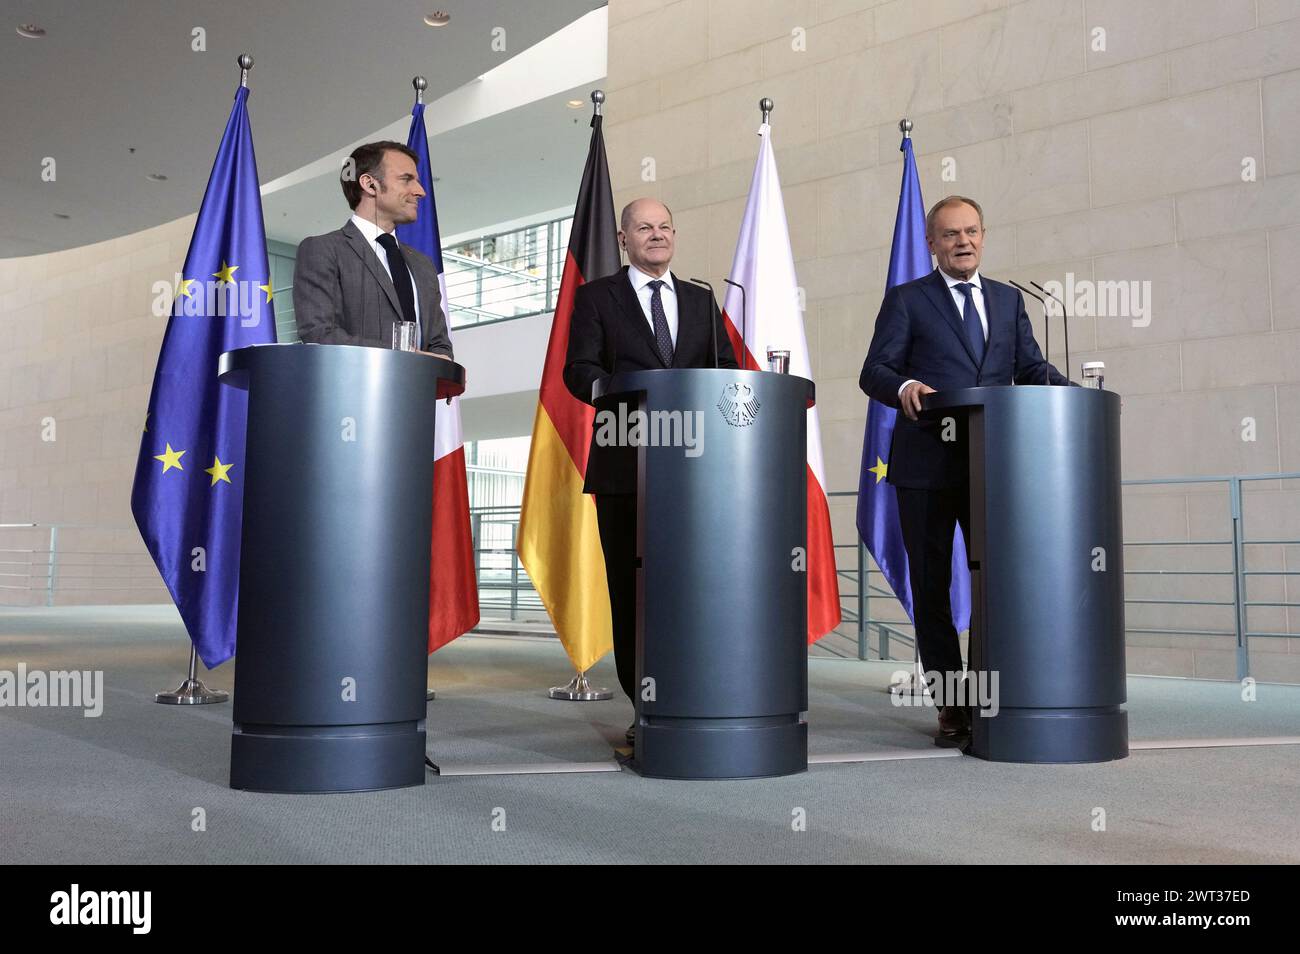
{"x": 115, "y": 92}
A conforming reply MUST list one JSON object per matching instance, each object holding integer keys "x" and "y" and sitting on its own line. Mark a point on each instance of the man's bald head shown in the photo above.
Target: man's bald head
{"x": 645, "y": 207}
{"x": 646, "y": 233}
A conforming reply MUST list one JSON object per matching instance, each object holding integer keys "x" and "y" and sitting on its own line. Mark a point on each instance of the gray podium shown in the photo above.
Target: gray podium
{"x": 721, "y": 610}
{"x": 1047, "y": 571}
{"x": 330, "y": 675}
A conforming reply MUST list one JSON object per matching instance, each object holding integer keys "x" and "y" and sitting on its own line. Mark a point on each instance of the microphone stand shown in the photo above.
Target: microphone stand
{"x": 1065, "y": 324}
{"x": 1047, "y": 320}
{"x": 713, "y": 321}
{"x": 744, "y": 341}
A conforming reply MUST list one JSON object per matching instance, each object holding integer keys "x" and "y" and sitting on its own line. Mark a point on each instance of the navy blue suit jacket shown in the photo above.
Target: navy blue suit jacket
{"x": 919, "y": 334}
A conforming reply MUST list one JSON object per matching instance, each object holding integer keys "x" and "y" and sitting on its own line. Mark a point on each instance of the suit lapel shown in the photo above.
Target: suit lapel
{"x": 937, "y": 289}
{"x": 992, "y": 313}
{"x": 367, "y": 255}
{"x": 686, "y": 320}
{"x": 421, "y": 293}
{"x": 631, "y": 306}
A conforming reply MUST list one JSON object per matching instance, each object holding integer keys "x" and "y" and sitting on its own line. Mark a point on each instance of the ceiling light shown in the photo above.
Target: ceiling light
{"x": 437, "y": 19}
{"x": 31, "y": 31}
{"x": 576, "y": 103}
{"x": 62, "y": 215}
{"x": 157, "y": 177}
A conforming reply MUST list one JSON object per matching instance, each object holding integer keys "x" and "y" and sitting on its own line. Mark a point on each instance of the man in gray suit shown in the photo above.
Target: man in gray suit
{"x": 351, "y": 286}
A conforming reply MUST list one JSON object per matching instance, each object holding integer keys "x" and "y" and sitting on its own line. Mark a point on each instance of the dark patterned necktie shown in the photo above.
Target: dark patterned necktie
{"x": 401, "y": 275}
{"x": 971, "y": 319}
{"x": 663, "y": 339}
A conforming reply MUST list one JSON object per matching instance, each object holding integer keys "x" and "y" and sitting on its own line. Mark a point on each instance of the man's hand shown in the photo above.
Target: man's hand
{"x": 910, "y": 399}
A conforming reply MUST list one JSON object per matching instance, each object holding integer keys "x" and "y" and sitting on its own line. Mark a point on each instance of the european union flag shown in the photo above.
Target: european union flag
{"x": 909, "y": 259}
{"x": 188, "y": 493}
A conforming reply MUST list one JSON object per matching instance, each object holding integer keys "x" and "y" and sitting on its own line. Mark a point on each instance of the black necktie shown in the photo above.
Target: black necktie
{"x": 971, "y": 319}
{"x": 401, "y": 275}
{"x": 663, "y": 339}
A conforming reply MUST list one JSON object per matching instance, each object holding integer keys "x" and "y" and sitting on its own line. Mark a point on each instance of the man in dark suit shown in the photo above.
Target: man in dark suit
{"x": 352, "y": 285}
{"x": 951, "y": 329}
{"x": 642, "y": 317}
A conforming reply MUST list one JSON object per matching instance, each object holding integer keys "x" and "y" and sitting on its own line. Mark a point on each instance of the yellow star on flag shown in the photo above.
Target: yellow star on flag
{"x": 184, "y": 288}
{"x": 227, "y": 273}
{"x": 880, "y": 470}
{"x": 218, "y": 470}
{"x": 266, "y": 288}
{"x": 172, "y": 458}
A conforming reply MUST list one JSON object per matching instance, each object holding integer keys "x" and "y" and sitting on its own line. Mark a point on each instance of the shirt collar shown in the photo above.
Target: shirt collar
{"x": 954, "y": 282}
{"x": 640, "y": 279}
{"x": 369, "y": 229}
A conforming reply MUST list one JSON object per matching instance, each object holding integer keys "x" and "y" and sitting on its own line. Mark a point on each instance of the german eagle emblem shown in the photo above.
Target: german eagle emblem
{"x": 738, "y": 405}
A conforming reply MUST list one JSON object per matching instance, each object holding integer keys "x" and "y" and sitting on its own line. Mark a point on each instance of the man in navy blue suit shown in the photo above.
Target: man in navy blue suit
{"x": 954, "y": 328}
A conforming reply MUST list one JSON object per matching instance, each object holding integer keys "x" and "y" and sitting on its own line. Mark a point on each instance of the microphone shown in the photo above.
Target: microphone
{"x": 744, "y": 342}
{"x": 1047, "y": 319}
{"x": 713, "y": 321}
{"x": 1065, "y": 323}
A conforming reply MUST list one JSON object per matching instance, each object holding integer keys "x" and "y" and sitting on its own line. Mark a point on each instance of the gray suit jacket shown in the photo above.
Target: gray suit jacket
{"x": 342, "y": 294}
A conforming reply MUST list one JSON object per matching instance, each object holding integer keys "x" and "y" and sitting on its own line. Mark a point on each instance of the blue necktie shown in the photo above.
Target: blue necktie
{"x": 971, "y": 319}
{"x": 663, "y": 339}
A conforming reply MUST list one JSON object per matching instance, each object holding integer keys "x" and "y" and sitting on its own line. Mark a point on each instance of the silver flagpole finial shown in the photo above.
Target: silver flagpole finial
{"x": 766, "y": 105}
{"x": 905, "y": 127}
{"x": 420, "y": 84}
{"x": 245, "y": 64}
{"x": 597, "y": 101}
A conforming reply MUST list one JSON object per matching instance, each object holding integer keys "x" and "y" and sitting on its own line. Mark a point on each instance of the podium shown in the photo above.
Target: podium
{"x": 1047, "y": 570}
{"x": 331, "y": 667}
{"x": 721, "y": 644}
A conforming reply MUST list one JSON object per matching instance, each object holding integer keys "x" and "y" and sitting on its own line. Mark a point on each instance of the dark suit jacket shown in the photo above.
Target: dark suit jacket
{"x": 919, "y": 334}
{"x": 609, "y": 333}
{"x": 342, "y": 294}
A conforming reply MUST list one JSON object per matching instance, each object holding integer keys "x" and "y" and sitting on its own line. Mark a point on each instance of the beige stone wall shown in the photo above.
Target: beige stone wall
{"x": 1123, "y": 164}
{"x": 80, "y": 343}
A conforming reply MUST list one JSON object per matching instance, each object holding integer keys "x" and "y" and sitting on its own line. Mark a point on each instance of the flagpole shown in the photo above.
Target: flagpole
{"x": 193, "y": 692}
{"x": 420, "y": 84}
{"x": 579, "y": 689}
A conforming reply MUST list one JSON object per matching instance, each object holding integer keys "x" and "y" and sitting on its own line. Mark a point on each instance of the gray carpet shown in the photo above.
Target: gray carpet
{"x": 123, "y": 787}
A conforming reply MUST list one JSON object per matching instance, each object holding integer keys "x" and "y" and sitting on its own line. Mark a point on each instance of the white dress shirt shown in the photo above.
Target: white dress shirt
{"x": 667, "y": 294}
{"x": 959, "y": 300}
{"x": 371, "y": 231}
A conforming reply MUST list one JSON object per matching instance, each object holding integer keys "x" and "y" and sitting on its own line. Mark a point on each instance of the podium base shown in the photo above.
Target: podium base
{"x": 319, "y": 759}
{"x": 721, "y": 748}
{"x": 1051, "y": 735}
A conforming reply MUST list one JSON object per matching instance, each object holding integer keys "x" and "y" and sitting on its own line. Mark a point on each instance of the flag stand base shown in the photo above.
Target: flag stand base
{"x": 430, "y": 695}
{"x": 192, "y": 692}
{"x": 579, "y": 690}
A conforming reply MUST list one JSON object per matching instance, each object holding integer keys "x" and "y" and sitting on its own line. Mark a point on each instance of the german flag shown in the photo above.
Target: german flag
{"x": 558, "y": 540}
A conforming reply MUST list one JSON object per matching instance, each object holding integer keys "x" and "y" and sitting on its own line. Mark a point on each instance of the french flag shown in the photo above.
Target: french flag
{"x": 453, "y": 590}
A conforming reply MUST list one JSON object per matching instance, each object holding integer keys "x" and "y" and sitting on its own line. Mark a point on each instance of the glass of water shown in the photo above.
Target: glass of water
{"x": 404, "y": 336}
{"x": 1094, "y": 374}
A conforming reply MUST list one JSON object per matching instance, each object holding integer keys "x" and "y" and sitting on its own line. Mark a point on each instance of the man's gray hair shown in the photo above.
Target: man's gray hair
{"x": 944, "y": 203}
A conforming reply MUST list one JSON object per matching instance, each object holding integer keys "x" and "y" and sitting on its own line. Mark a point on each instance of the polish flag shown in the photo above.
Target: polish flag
{"x": 453, "y": 589}
{"x": 773, "y": 319}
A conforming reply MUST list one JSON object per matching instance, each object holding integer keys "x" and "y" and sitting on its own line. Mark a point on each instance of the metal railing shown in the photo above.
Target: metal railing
{"x": 856, "y": 607}
{"x": 40, "y": 564}
{"x": 506, "y": 275}
{"x": 503, "y": 583}
{"x": 43, "y": 564}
